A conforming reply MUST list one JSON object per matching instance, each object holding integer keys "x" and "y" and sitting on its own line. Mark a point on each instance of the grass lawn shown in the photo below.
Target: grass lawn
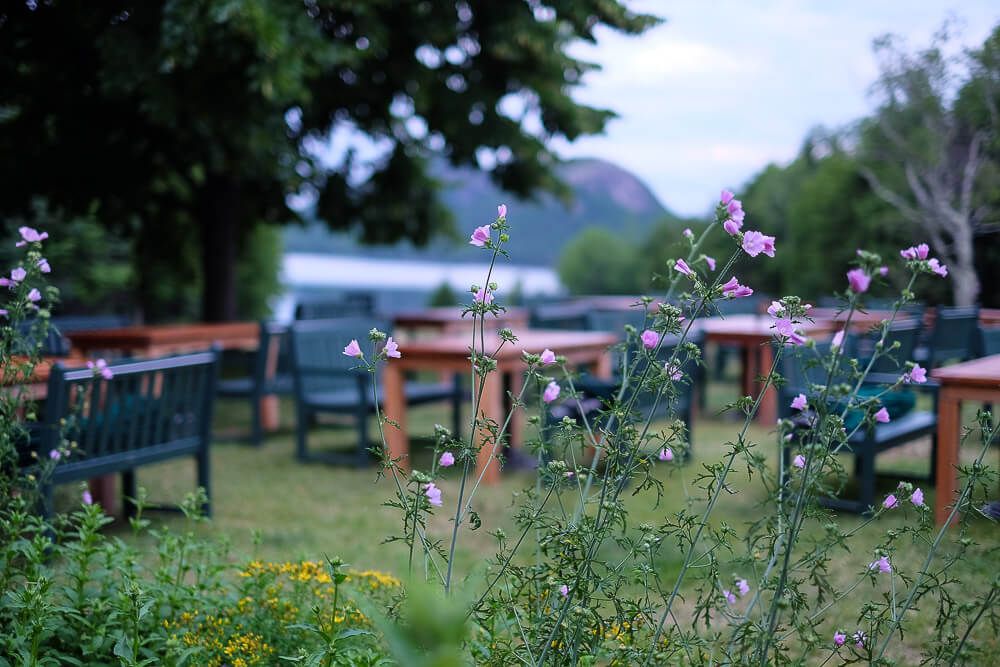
{"x": 272, "y": 507}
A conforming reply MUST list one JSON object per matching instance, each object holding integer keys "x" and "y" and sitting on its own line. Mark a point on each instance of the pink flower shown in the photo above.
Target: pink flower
{"x": 564, "y": 591}
{"x": 726, "y": 197}
{"x": 922, "y": 251}
{"x": 735, "y": 210}
{"x": 859, "y": 639}
{"x": 937, "y": 267}
{"x": 29, "y": 235}
{"x": 551, "y": 392}
{"x": 666, "y": 454}
{"x": 711, "y": 262}
{"x": 776, "y": 309}
{"x": 918, "y": 374}
{"x": 839, "y": 638}
{"x": 908, "y": 253}
{"x": 890, "y": 502}
{"x": 730, "y": 598}
{"x": 742, "y": 586}
{"x": 3, "y": 312}
{"x": 100, "y": 367}
{"x": 392, "y": 349}
{"x": 18, "y": 274}
{"x": 688, "y": 234}
{"x": 480, "y": 236}
{"x": 548, "y": 357}
{"x": 43, "y": 265}
{"x": 917, "y": 498}
{"x": 799, "y": 402}
{"x": 352, "y": 349}
{"x": 433, "y": 494}
{"x": 838, "y": 339}
{"x": 799, "y": 461}
{"x": 882, "y": 416}
{"x": 734, "y": 290}
{"x": 55, "y": 455}
{"x": 674, "y": 370}
{"x": 483, "y": 296}
{"x": 502, "y": 211}
{"x": 682, "y": 267}
{"x": 34, "y": 296}
{"x": 732, "y": 227}
{"x": 755, "y": 243}
{"x": 882, "y": 564}
{"x": 650, "y": 339}
{"x": 858, "y": 280}
{"x": 786, "y": 330}
{"x": 87, "y": 498}
{"x": 883, "y": 271}
{"x": 447, "y": 460}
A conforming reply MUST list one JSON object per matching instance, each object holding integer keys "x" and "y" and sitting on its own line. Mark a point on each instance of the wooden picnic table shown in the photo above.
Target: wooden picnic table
{"x": 35, "y": 387}
{"x": 975, "y": 380}
{"x": 451, "y": 354}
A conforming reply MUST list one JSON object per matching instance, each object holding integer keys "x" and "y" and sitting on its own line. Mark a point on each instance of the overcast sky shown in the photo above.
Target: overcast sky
{"x": 725, "y": 87}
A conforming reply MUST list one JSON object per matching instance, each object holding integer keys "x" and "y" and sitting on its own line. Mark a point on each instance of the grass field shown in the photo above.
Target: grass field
{"x": 272, "y": 507}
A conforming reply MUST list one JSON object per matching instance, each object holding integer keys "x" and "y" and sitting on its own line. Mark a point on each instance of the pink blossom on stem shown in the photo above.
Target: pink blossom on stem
{"x": 666, "y": 454}
{"x": 87, "y": 498}
{"x": 502, "y": 211}
{"x": 674, "y": 370}
{"x": 882, "y": 565}
{"x": 883, "y": 271}
{"x": 681, "y": 266}
{"x": 650, "y": 339}
{"x": 937, "y": 267}
{"x": 917, "y": 374}
{"x": 55, "y": 455}
{"x": 799, "y": 461}
{"x": 480, "y": 236}
{"x": 447, "y": 460}
{"x": 786, "y": 330}
{"x": 433, "y": 494}
{"x": 564, "y": 591}
{"x": 917, "y": 498}
{"x": 890, "y": 502}
{"x": 858, "y": 280}
{"x": 100, "y": 367}
{"x": 551, "y": 392}
{"x": 755, "y": 243}
{"x": 18, "y": 274}
{"x": 799, "y": 402}
{"x": 735, "y": 210}
{"x": 839, "y": 638}
{"x": 922, "y": 251}
{"x": 837, "y": 340}
{"x": 734, "y": 290}
{"x": 352, "y": 349}
{"x": 882, "y": 416}
{"x": 726, "y": 197}
{"x": 776, "y": 309}
{"x": 711, "y": 262}
{"x": 392, "y": 349}
{"x": 29, "y": 235}
{"x": 859, "y": 639}
{"x": 742, "y": 586}
{"x": 688, "y": 234}
{"x": 34, "y": 296}
{"x": 548, "y": 357}
{"x": 730, "y": 598}
{"x": 732, "y": 227}
{"x": 483, "y": 296}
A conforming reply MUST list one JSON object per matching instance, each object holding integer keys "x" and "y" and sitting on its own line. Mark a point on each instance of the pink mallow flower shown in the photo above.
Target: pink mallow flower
{"x": 859, "y": 639}
{"x": 666, "y": 454}
{"x": 551, "y": 392}
{"x": 882, "y": 565}
{"x": 87, "y": 498}
{"x": 34, "y": 296}
{"x": 29, "y": 235}
{"x": 352, "y": 349}
{"x": 755, "y": 243}
{"x": 839, "y": 638}
{"x": 890, "y": 502}
{"x": 882, "y": 416}
{"x": 742, "y": 586}
{"x": 799, "y": 402}
{"x": 480, "y": 236}
{"x": 548, "y": 357}
{"x": 711, "y": 262}
{"x": 564, "y": 591}
{"x": 650, "y": 339}
{"x": 725, "y": 197}
{"x": 502, "y": 211}
{"x": 734, "y": 290}
{"x": 688, "y": 234}
{"x": 776, "y": 309}
{"x": 682, "y": 267}
{"x": 837, "y": 340}
{"x": 883, "y": 271}
{"x": 732, "y": 227}
{"x": 858, "y": 280}
{"x": 55, "y": 455}
{"x": 916, "y": 252}
{"x": 917, "y": 374}
{"x": 784, "y": 328}
{"x": 736, "y": 212}
{"x": 937, "y": 267}
{"x": 674, "y": 370}
{"x": 799, "y": 461}
{"x": 392, "y": 349}
{"x": 730, "y": 598}
{"x": 43, "y": 265}
{"x": 18, "y": 274}
{"x": 447, "y": 460}
{"x": 100, "y": 367}
{"x": 433, "y": 494}
{"x": 917, "y": 498}
{"x": 483, "y": 296}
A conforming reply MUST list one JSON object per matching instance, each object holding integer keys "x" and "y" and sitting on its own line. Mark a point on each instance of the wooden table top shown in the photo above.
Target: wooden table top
{"x": 164, "y": 334}
{"x": 440, "y": 317}
{"x": 452, "y": 347}
{"x": 40, "y": 373}
{"x": 755, "y": 328}
{"x": 983, "y": 373}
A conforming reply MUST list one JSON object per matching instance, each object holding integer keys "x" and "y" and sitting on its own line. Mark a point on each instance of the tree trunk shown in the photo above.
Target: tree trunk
{"x": 964, "y": 279}
{"x": 219, "y": 235}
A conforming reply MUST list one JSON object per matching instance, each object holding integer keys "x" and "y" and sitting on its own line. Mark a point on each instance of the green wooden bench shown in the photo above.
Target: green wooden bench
{"x": 151, "y": 410}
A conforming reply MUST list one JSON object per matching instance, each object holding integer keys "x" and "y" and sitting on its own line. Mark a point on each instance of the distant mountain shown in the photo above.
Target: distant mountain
{"x": 605, "y": 195}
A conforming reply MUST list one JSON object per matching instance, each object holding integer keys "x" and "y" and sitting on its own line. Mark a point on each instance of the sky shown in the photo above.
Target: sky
{"x": 724, "y": 88}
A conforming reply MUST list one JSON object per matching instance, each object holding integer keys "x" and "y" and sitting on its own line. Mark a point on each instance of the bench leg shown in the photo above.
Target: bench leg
{"x": 301, "y": 433}
{"x": 361, "y": 458}
{"x": 128, "y": 493}
{"x": 205, "y": 479}
{"x": 456, "y": 407}
{"x": 867, "y": 479}
{"x": 256, "y": 423}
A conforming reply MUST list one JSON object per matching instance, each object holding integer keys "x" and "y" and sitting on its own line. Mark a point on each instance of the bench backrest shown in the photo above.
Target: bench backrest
{"x": 150, "y": 410}
{"x": 954, "y": 336}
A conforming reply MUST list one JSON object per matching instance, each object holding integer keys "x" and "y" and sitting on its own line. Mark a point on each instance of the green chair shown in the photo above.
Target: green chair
{"x": 328, "y": 382}
{"x": 258, "y": 383}
{"x": 953, "y": 337}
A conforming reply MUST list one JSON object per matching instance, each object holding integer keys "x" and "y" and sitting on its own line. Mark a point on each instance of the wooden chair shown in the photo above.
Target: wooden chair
{"x": 149, "y": 411}
{"x": 328, "y": 382}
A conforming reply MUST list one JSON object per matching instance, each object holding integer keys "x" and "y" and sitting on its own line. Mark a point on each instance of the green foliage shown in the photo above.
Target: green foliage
{"x": 257, "y": 272}
{"x": 599, "y": 262}
{"x": 443, "y": 295}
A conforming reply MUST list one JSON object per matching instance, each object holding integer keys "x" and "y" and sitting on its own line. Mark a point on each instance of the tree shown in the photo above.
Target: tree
{"x": 187, "y": 123}
{"x": 600, "y": 262}
{"x": 922, "y": 156}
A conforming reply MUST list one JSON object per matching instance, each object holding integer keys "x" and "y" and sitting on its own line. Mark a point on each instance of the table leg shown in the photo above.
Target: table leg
{"x": 767, "y": 414}
{"x": 947, "y": 456}
{"x": 270, "y": 413}
{"x": 490, "y": 407}
{"x": 397, "y": 439}
{"x": 602, "y": 367}
{"x": 748, "y": 370}
{"x": 104, "y": 491}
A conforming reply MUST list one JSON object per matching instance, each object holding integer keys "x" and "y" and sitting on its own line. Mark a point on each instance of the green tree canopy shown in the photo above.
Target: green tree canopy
{"x": 185, "y": 124}
{"x": 599, "y": 262}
